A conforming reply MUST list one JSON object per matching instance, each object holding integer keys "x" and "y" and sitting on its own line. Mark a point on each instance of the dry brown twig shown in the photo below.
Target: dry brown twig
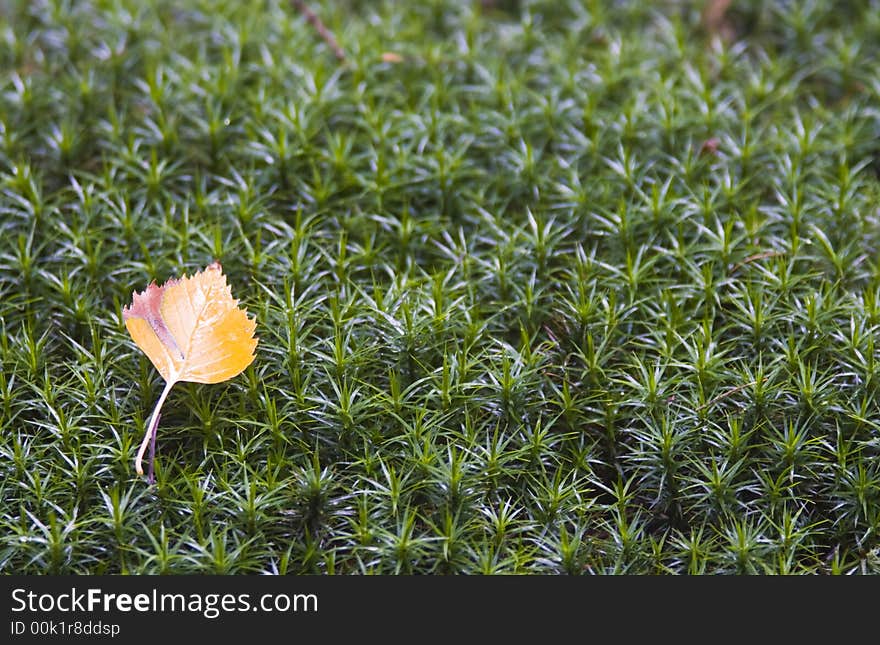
{"x": 730, "y": 392}
{"x": 320, "y": 27}
{"x": 715, "y": 20}
{"x": 755, "y": 257}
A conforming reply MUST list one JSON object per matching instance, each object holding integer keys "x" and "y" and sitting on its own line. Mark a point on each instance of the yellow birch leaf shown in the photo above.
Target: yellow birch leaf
{"x": 191, "y": 329}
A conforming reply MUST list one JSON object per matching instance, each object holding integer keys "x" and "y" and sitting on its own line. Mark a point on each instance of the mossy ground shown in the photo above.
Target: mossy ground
{"x": 570, "y": 287}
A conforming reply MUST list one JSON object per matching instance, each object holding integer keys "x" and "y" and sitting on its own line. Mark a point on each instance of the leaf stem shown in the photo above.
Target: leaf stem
{"x": 150, "y": 478}
{"x": 151, "y": 428}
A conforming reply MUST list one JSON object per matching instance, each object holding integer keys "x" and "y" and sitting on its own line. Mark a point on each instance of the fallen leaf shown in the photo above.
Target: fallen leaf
{"x": 191, "y": 329}
{"x": 391, "y": 57}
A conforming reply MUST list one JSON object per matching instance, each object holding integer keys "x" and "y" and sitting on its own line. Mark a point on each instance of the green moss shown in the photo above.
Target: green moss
{"x": 571, "y": 288}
